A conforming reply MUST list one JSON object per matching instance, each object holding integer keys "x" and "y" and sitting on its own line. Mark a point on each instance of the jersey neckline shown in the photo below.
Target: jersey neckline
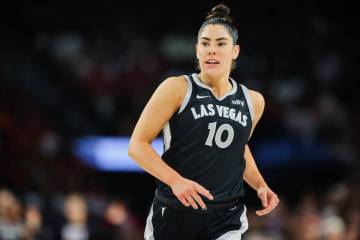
{"x": 201, "y": 84}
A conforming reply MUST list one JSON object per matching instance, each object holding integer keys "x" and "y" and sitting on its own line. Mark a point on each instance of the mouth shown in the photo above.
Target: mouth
{"x": 212, "y": 61}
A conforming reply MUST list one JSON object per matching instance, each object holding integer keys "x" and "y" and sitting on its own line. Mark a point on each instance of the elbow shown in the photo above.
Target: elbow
{"x": 136, "y": 146}
{"x": 131, "y": 149}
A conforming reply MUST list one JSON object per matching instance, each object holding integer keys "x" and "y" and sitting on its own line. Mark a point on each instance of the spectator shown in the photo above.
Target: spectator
{"x": 75, "y": 211}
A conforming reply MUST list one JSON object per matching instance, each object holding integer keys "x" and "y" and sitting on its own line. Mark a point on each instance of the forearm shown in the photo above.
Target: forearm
{"x": 146, "y": 157}
{"x": 251, "y": 174}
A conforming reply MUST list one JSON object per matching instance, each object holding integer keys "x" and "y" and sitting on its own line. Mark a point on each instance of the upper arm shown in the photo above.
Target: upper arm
{"x": 258, "y": 103}
{"x": 162, "y": 105}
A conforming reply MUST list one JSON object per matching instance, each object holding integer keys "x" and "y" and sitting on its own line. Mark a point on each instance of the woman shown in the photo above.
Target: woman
{"x": 207, "y": 120}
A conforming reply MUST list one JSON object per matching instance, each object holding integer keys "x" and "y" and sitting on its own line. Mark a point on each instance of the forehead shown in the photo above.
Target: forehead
{"x": 214, "y": 31}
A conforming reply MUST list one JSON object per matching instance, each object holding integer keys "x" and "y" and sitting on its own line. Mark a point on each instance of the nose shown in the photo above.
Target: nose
{"x": 211, "y": 51}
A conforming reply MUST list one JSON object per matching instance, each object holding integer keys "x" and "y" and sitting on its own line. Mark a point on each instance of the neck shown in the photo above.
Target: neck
{"x": 219, "y": 84}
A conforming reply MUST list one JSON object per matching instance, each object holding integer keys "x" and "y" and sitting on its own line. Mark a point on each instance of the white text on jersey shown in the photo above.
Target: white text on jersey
{"x": 238, "y": 102}
{"x": 221, "y": 111}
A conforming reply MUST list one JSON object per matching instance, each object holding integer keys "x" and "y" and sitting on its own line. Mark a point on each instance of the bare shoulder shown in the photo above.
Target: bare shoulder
{"x": 174, "y": 88}
{"x": 258, "y": 102}
{"x": 160, "y": 107}
{"x": 175, "y": 83}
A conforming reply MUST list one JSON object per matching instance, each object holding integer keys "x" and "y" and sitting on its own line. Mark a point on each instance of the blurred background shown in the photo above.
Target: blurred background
{"x": 75, "y": 76}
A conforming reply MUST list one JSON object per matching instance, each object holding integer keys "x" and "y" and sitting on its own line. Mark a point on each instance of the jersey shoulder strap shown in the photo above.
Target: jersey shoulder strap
{"x": 188, "y": 93}
{"x": 248, "y": 101}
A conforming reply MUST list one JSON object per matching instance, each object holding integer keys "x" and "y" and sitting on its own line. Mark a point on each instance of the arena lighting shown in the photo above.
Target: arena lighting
{"x": 109, "y": 153}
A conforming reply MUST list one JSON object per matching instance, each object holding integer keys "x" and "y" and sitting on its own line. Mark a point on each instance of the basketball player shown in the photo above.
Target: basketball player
{"x": 207, "y": 120}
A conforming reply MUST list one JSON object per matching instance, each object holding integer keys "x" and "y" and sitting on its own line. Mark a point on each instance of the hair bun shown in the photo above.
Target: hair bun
{"x": 220, "y": 11}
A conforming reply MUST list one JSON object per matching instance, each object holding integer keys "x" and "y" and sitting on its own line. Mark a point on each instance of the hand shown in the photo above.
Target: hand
{"x": 187, "y": 192}
{"x": 269, "y": 200}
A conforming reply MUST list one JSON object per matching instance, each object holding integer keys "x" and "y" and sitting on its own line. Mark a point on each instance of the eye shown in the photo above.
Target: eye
{"x": 222, "y": 43}
{"x": 205, "y": 44}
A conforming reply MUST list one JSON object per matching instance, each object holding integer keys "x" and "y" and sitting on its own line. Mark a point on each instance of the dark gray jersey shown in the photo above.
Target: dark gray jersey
{"x": 205, "y": 140}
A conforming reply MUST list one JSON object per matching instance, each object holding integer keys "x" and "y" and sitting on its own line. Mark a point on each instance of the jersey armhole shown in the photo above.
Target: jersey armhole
{"x": 249, "y": 102}
{"x": 188, "y": 94}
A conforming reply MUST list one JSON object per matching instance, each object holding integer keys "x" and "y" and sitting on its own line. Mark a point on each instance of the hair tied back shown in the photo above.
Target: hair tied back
{"x": 220, "y": 11}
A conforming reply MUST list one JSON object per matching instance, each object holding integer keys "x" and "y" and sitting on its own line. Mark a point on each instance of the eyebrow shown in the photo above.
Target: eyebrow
{"x": 218, "y": 39}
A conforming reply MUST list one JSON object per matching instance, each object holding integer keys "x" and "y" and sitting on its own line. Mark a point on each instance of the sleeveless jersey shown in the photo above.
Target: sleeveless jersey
{"x": 205, "y": 139}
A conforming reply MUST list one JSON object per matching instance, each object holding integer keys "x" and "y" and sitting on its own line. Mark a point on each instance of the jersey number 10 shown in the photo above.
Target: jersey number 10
{"x": 218, "y": 133}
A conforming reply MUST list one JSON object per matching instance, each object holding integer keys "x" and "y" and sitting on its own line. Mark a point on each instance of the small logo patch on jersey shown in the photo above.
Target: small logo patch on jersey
{"x": 238, "y": 102}
{"x": 232, "y": 209}
{"x": 162, "y": 211}
{"x": 199, "y": 97}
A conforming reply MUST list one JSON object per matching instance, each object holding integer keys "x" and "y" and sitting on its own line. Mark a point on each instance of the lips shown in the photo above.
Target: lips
{"x": 212, "y": 61}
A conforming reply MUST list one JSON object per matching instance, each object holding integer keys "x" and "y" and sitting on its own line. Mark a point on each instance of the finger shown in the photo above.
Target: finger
{"x": 263, "y": 211}
{"x": 274, "y": 201}
{"x": 183, "y": 201}
{"x": 199, "y": 200}
{"x": 200, "y": 189}
{"x": 191, "y": 201}
{"x": 266, "y": 210}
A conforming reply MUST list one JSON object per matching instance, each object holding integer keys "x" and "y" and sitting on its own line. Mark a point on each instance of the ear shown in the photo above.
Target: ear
{"x": 236, "y": 52}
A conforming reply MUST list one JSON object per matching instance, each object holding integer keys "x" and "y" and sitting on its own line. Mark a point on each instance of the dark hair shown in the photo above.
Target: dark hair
{"x": 220, "y": 15}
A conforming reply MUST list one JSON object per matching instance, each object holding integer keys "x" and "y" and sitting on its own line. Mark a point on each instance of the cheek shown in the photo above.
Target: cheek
{"x": 226, "y": 54}
{"x": 201, "y": 52}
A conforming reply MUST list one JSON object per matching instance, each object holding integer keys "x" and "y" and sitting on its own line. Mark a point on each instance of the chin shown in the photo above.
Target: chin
{"x": 213, "y": 72}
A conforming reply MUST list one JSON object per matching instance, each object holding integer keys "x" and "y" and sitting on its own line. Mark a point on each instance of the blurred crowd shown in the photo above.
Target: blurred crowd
{"x": 333, "y": 215}
{"x": 74, "y": 216}
{"x": 58, "y": 85}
